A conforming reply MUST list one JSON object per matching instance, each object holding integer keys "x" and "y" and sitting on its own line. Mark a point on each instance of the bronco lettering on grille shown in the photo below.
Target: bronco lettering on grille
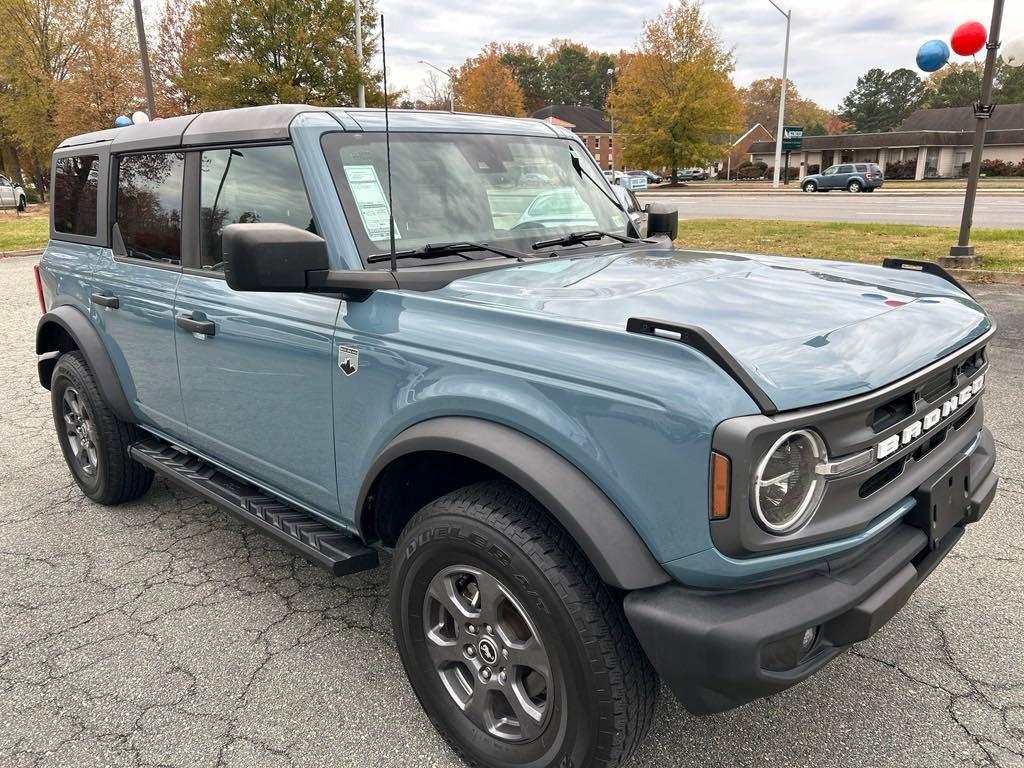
{"x": 929, "y": 421}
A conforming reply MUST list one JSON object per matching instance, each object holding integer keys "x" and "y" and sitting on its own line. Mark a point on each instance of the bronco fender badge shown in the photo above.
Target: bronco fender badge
{"x": 348, "y": 360}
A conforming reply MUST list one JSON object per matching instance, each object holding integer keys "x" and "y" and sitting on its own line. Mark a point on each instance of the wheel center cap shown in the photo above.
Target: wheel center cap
{"x": 488, "y": 650}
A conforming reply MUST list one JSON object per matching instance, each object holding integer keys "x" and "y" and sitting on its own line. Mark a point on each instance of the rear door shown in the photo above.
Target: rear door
{"x": 133, "y": 292}
{"x": 257, "y": 382}
{"x": 843, "y": 176}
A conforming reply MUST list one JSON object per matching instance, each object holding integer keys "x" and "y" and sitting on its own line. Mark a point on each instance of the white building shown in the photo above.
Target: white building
{"x": 938, "y": 140}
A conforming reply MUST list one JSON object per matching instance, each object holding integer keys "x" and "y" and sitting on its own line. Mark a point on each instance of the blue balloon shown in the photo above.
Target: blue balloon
{"x": 933, "y": 55}
{"x": 122, "y": 121}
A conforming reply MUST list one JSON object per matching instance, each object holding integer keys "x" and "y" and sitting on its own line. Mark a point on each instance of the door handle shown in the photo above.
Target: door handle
{"x": 190, "y": 324}
{"x": 110, "y": 302}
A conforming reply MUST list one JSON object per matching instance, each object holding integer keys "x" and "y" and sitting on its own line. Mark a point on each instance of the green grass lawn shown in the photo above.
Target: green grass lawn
{"x": 24, "y": 231}
{"x": 1000, "y": 249}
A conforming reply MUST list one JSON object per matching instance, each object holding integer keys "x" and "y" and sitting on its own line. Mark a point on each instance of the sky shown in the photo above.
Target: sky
{"x": 833, "y": 41}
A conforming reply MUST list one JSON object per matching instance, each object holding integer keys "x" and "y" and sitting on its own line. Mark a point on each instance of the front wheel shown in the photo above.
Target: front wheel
{"x": 854, "y": 186}
{"x": 518, "y": 652}
{"x": 810, "y": 186}
{"x": 93, "y": 440}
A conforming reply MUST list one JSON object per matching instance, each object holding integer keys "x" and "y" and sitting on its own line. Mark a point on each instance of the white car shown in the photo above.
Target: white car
{"x": 11, "y": 195}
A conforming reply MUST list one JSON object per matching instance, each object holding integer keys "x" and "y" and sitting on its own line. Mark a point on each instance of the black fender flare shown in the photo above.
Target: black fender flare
{"x": 612, "y": 545}
{"x": 78, "y": 326}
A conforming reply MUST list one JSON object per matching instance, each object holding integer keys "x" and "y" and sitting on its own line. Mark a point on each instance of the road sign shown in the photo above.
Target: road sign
{"x": 792, "y": 138}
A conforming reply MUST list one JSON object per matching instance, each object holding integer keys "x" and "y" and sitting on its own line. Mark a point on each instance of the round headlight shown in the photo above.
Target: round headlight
{"x": 787, "y": 488}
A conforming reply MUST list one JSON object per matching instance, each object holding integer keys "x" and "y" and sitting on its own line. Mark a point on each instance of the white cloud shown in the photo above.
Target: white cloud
{"x": 833, "y": 41}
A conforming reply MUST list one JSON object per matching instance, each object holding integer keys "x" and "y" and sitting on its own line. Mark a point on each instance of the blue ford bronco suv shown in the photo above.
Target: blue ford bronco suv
{"x": 595, "y": 459}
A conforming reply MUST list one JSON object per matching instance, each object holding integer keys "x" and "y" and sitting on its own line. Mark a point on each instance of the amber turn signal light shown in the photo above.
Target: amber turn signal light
{"x": 720, "y": 470}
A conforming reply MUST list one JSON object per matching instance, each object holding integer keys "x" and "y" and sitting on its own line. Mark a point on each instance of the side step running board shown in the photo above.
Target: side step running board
{"x": 327, "y": 547}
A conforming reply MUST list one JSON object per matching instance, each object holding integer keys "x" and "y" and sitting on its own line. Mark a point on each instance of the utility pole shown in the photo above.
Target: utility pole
{"x": 144, "y": 54}
{"x": 962, "y": 254}
{"x": 782, "y": 97}
{"x": 360, "y": 89}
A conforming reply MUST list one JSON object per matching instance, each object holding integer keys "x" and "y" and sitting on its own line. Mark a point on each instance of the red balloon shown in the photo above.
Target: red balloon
{"x": 969, "y": 38}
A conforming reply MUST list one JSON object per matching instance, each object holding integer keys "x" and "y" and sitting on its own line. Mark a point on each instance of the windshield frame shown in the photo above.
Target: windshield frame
{"x": 330, "y": 143}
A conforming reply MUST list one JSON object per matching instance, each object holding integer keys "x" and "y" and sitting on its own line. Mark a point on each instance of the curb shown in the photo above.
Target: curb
{"x": 30, "y": 252}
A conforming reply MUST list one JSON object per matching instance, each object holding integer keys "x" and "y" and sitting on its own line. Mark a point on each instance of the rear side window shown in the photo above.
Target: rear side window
{"x": 245, "y": 186}
{"x": 74, "y": 195}
{"x": 149, "y": 205}
{"x": 861, "y": 168}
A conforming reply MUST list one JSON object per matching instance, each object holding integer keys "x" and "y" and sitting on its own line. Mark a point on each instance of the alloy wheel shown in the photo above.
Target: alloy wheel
{"x": 80, "y": 431}
{"x": 487, "y": 653}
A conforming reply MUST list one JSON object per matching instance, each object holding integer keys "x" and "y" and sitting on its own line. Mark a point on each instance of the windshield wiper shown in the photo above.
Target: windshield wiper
{"x": 440, "y": 250}
{"x": 577, "y": 238}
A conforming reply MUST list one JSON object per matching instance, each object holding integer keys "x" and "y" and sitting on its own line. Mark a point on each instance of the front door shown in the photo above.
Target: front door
{"x": 132, "y": 293}
{"x": 256, "y": 368}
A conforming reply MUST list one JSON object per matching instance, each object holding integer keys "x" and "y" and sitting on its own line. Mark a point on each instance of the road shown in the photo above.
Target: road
{"x": 165, "y": 633}
{"x": 992, "y": 209}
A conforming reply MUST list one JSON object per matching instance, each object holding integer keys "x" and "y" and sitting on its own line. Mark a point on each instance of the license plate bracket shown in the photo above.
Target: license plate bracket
{"x": 943, "y": 500}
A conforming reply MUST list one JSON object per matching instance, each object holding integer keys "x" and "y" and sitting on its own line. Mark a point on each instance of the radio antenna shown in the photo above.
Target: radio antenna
{"x": 387, "y": 147}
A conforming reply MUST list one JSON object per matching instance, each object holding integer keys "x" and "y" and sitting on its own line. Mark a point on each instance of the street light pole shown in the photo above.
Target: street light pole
{"x": 360, "y": 89}
{"x": 144, "y": 54}
{"x": 782, "y": 97}
{"x": 451, "y": 83}
{"x": 962, "y": 254}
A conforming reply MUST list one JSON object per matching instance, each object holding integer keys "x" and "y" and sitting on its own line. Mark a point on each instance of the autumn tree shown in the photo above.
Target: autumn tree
{"x": 107, "y": 80}
{"x": 675, "y": 100}
{"x": 761, "y": 105}
{"x": 250, "y": 52}
{"x": 41, "y": 45}
{"x": 882, "y": 100}
{"x": 173, "y": 55}
{"x": 485, "y": 84}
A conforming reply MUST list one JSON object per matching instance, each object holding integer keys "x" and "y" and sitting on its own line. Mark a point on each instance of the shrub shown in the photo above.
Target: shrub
{"x": 996, "y": 168}
{"x": 901, "y": 169}
{"x": 750, "y": 172}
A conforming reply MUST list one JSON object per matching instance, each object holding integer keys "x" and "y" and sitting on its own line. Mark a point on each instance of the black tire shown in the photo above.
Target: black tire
{"x": 105, "y": 473}
{"x": 598, "y": 698}
{"x": 21, "y": 203}
{"x": 810, "y": 186}
{"x": 854, "y": 186}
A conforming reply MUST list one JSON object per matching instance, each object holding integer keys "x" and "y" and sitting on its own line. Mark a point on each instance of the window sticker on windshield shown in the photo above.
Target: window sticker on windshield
{"x": 370, "y": 200}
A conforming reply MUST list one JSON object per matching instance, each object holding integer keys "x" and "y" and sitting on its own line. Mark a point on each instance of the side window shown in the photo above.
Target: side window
{"x": 846, "y": 169}
{"x": 248, "y": 185}
{"x": 149, "y": 205}
{"x": 74, "y": 195}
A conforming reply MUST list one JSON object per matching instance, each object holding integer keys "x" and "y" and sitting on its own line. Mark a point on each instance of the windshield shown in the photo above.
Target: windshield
{"x": 507, "y": 191}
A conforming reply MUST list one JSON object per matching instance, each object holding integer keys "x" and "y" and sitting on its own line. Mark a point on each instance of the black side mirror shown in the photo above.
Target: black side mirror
{"x": 271, "y": 257}
{"x": 662, "y": 219}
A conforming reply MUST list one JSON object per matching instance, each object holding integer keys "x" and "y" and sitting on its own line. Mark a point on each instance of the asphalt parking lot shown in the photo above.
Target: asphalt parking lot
{"x": 163, "y": 633}
{"x": 935, "y": 209}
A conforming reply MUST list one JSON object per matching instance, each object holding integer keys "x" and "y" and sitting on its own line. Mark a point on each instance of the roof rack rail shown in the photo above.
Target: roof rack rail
{"x": 699, "y": 339}
{"x": 928, "y": 267}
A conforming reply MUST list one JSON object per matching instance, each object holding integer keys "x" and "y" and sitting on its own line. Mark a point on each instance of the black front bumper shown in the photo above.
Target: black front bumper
{"x": 718, "y": 650}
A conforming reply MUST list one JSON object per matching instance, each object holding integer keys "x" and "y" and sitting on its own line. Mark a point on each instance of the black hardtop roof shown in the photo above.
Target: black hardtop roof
{"x": 246, "y": 124}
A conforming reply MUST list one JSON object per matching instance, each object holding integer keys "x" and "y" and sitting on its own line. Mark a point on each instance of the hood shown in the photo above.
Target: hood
{"x": 807, "y": 331}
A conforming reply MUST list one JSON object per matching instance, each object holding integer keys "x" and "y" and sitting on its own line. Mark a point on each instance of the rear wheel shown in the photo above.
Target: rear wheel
{"x": 854, "y": 186}
{"x": 518, "y": 652}
{"x": 93, "y": 440}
